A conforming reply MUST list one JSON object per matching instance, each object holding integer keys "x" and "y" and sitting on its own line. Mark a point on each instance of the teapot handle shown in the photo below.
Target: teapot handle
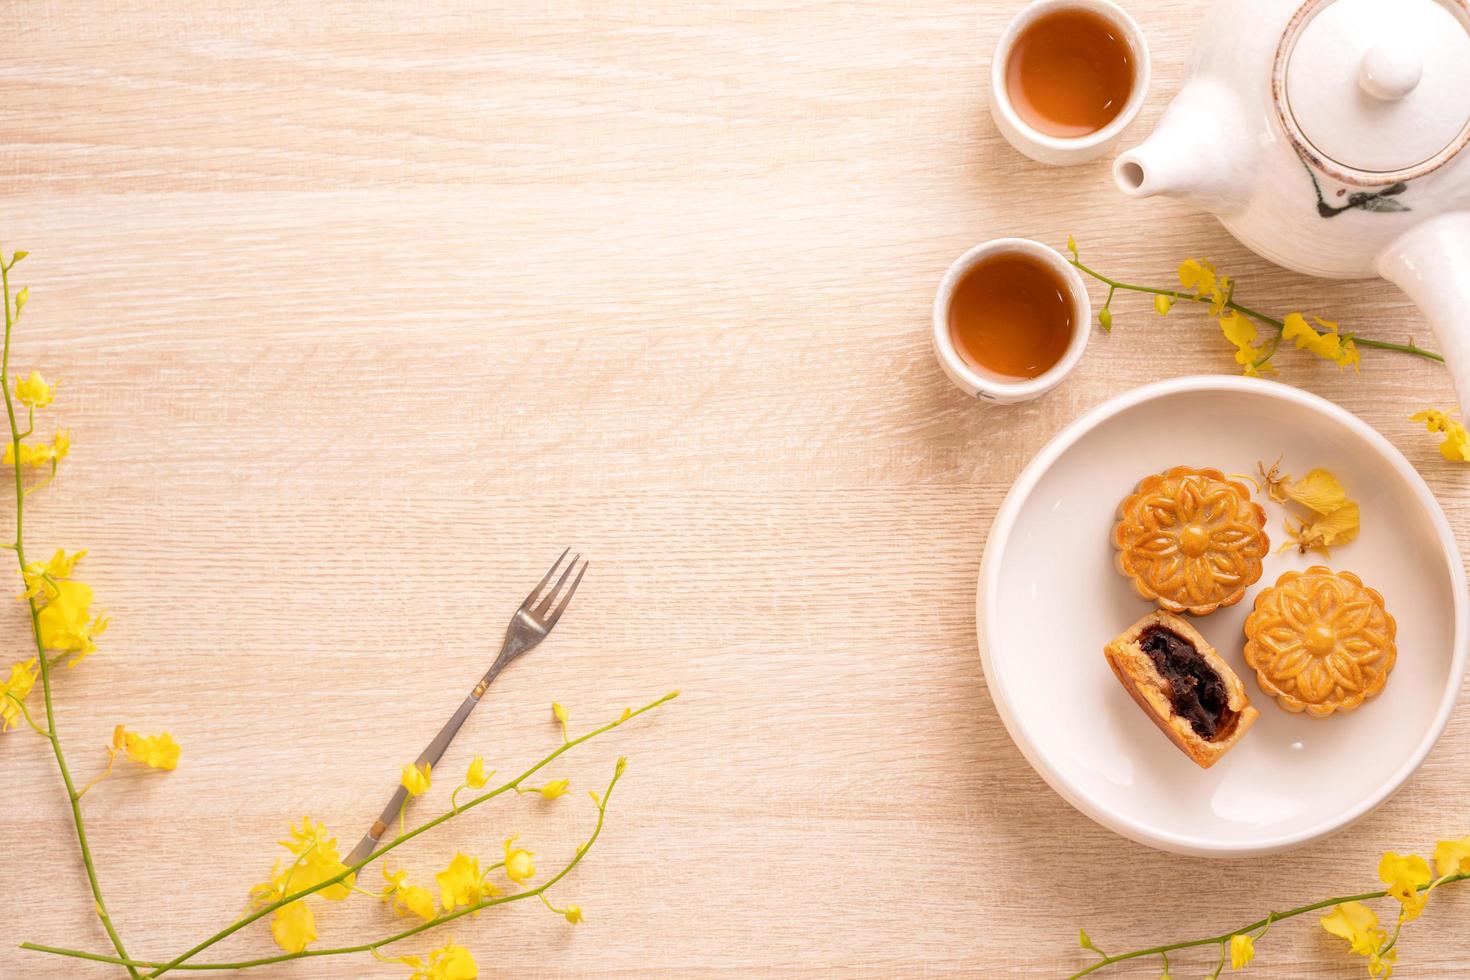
{"x": 1431, "y": 262}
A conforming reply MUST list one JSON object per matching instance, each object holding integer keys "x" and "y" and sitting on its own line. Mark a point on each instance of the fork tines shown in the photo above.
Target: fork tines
{"x": 539, "y": 610}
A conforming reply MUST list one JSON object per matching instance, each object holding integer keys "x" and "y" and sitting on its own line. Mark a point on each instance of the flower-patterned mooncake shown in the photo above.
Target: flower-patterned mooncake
{"x": 1191, "y": 539}
{"x": 1320, "y": 641}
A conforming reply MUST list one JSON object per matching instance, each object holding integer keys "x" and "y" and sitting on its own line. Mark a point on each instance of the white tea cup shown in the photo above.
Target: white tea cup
{"x": 1064, "y": 151}
{"x": 990, "y": 387}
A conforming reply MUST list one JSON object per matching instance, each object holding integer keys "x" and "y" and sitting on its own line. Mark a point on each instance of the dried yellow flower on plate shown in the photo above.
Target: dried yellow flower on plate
{"x": 1328, "y": 517}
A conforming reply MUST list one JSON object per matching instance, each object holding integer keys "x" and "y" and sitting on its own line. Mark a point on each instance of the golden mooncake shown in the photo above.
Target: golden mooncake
{"x": 1320, "y": 641}
{"x": 1183, "y": 685}
{"x": 1191, "y": 539}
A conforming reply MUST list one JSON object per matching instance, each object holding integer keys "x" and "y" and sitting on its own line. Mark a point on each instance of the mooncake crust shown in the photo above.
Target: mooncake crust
{"x": 1191, "y": 540}
{"x": 1320, "y": 641}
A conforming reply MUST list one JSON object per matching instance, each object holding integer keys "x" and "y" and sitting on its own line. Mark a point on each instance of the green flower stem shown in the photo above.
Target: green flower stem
{"x": 245, "y": 920}
{"x": 1230, "y": 304}
{"x": 26, "y": 714}
{"x": 72, "y": 796}
{"x": 1273, "y": 917}
{"x": 373, "y": 947}
{"x": 1409, "y": 348}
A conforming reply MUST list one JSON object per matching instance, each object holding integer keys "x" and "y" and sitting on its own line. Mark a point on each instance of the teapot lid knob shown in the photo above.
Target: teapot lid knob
{"x": 1390, "y": 71}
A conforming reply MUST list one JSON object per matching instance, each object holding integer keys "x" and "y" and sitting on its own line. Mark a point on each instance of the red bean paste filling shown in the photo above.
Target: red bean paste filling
{"x": 1196, "y": 692}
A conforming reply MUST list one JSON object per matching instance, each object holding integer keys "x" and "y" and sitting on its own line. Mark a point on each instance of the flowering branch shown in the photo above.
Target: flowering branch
{"x": 1408, "y": 881}
{"x": 373, "y": 947}
{"x": 50, "y": 734}
{"x": 181, "y": 961}
{"x": 64, "y": 628}
{"x": 1216, "y": 291}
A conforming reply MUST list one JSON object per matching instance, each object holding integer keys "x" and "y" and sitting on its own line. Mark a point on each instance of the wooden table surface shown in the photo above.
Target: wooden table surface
{"x": 363, "y": 312}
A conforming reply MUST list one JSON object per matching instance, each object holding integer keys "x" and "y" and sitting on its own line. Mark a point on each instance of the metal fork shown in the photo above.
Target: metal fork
{"x": 528, "y": 627}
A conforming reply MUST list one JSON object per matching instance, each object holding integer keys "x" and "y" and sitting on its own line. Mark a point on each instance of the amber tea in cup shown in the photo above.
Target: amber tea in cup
{"x": 1070, "y": 73}
{"x": 1011, "y": 317}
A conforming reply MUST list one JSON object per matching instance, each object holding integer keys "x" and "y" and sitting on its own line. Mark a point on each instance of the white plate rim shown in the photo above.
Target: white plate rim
{"x": 986, "y": 598}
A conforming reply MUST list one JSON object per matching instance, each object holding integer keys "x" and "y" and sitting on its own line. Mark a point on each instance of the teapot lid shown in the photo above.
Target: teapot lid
{"x": 1376, "y": 93}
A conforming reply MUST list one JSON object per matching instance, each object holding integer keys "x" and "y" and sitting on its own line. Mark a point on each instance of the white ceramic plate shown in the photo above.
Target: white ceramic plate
{"x": 1050, "y": 598}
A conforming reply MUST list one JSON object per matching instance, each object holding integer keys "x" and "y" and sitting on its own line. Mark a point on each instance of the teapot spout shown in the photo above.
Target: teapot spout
{"x": 1199, "y": 151}
{"x": 1431, "y": 262}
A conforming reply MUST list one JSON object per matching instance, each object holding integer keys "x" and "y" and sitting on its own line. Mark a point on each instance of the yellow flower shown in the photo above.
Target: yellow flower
{"x": 1201, "y": 277}
{"x": 416, "y": 778}
{"x": 518, "y": 866}
{"x": 572, "y": 913}
{"x": 1072, "y": 246}
{"x": 22, "y": 678}
{"x": 407, "y": 898}
{"x": 40, "y": 454}
{"x": 1329, "y": 344}
{"x": 154, "y": 751}
{"x": 1198, "y": 276}
{"x": 40, "y": 579}
{"x": 1163, "y": 304}
{"x": 1332, "y": 520}
{"x": 555, "y": 788}
{"x": 66, "y": 622}
{"x": 1456, "y": 445}
{"x": 477, "y": 776}
{"x": 34, "y": 392}
{"x": 1241, "y": 332}
{"x": 317, "y": 860}
{"x": 1404, "y": 874}
{"x": 1242, "y": 950}
{"x": 1452, "y": 856}
{"x": 293, "y": 926}
{"x": 1322, "y": 533}
{"x": 560, "y": 714}
{"x": 1356, "y": 923}
{"x": 1319, "y": 490}
{"x": 462, "y": 883}
{"x": 450, "y": 962}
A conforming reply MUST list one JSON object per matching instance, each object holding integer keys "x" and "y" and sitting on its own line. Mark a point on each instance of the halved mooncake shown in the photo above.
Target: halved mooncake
{"x": 1183, "y": 685}
{"x": 1192, "y": 539}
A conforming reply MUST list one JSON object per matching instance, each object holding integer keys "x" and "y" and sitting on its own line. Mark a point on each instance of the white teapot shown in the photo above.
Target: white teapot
{"x": 1327, "y": 136}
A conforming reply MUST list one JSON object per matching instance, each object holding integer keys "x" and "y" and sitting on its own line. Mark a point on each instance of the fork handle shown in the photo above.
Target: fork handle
{"x": 431, "y": 755}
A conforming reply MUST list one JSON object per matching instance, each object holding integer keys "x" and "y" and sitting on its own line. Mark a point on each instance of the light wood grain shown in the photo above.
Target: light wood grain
{"x": 363, "y": 312}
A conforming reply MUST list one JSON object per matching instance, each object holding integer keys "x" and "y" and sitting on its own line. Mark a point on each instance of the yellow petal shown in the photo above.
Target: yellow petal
{"x": 1340, "y": 526}
{"x": 1356, "y": 923}
{"x": 415, "y": 778}
{"x": 1295, "y": 327}
{"x": 1239, "y": 330}
{"x": 293, "y": 926}
{"x": 1318, "y": 490}
{"x": 1197, "y": 275}
{"x": 155, "y": 751}
{"x": 1452, "y": 856}
{"x": 1242, "y": 951}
